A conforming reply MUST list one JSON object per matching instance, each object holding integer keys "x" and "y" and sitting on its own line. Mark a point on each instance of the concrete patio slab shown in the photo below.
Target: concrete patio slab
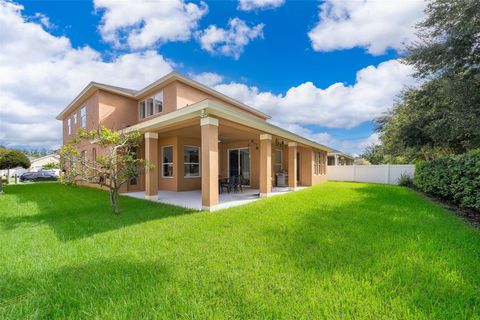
{"x": 193, "y": 199}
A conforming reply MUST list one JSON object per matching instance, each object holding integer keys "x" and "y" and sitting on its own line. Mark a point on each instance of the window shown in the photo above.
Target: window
{"x": 75, "y": 118}
{"x": 331, "y": 161}
{"x": 322, "y": 163}
{"x": 83, "y": 117}
{"x": 69, "y": 126}
{"x": 316, "y": 163}
{"x": 278, "y": 160}
{"x": 158, "y": 102}
{"x": 191, "y": 161}
{"x": 141, "y": 110}
{"x": 167, "y": 162}
{"x": 150, "y": 106}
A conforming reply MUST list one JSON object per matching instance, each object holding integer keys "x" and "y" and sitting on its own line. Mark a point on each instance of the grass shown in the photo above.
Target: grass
{"x": 336, "y": 251}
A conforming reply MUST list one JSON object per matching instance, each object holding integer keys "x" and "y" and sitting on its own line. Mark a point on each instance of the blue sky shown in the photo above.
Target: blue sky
{"x": 330, "y": 60}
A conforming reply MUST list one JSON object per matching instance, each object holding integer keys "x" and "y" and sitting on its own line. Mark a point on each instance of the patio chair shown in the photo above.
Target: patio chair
{"x": 238, "y": 183}
{"x": 229, "y": 185}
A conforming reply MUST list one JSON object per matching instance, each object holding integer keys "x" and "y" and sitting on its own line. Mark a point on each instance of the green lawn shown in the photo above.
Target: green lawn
{"x": 336, "y": 251}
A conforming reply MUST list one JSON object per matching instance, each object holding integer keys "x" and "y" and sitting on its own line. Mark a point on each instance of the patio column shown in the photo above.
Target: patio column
{"x": 265, "y": 165}
{"x": 292, "y": 165}
{"x": 151, "y": 174}
{"x": 209, "y": 133}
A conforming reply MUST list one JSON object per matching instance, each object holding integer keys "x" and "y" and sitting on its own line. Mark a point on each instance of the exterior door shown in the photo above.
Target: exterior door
{"x": 239, "y": 164}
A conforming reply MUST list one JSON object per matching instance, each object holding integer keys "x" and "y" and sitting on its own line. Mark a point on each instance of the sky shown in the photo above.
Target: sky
{"x": 322, "y": 69}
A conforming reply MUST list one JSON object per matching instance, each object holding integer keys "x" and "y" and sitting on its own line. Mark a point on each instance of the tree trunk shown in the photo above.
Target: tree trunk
{"x": 113, "y": 201}
{"x": 8, "y": 176}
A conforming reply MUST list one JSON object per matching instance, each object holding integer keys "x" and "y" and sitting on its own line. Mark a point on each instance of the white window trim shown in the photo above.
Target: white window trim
{"x": 199, "y": 162}
{"x": 145, "y": 107}
{"x": 316, "y": 165}
{"x": 83, "y": 117}
{"x": 172, "y": 163}
{"x": 69, "y": 125}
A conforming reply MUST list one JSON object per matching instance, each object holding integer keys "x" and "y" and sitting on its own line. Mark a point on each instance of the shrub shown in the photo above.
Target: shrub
{"x": 455, "y": 178}
{"x": 405, "y": 180}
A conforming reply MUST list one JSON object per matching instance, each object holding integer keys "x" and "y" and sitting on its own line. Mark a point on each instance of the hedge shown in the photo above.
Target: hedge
{"x": 454, "y": 178}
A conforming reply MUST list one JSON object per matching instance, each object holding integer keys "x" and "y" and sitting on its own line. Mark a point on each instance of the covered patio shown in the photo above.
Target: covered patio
{"x": 194, "y": 148}
{"x": 193, "y": 199}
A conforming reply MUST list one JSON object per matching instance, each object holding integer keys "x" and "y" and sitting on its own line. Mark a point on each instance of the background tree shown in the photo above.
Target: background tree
{"x": 116, "y": 165}
{"x": 10, "y": 159}
{"x": 443, "y": 115}
{"x": 51, "y": 165}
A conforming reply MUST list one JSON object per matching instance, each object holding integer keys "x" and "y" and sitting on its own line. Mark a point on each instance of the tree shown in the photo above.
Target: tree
{"x": 10, "y": 159}
{"x": 116, "y": 165}
{"x": 51, "y": 165}
{"x": 442, "y": 116}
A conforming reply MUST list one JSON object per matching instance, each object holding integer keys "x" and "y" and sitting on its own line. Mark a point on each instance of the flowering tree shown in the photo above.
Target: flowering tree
{"x": 117, "y": 163}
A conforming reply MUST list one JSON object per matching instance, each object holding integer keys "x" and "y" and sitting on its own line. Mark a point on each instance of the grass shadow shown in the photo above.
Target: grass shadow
{"x": 101, "y": 289}
{"x": 77, "y": 212}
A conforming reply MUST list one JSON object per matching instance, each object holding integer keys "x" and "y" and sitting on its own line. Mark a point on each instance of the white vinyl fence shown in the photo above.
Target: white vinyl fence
{"x": 384, "y": 173}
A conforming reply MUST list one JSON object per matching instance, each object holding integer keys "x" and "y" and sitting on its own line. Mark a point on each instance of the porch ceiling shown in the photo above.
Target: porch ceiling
{"x": 227, "y": 131}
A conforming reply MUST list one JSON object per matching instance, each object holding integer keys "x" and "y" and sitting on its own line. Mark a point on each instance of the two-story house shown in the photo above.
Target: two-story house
{"x": 194, "y": 135}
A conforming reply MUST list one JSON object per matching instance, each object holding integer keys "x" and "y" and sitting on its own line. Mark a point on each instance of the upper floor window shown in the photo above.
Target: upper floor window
{"x": 191, "y": 161}
{"x": 75, "y": 115}
{"x": 167, "y": 162}
{"x": 83, "y": 116}
{"x": 278, "y": 160}
{"x": 150, "y": 106}
{"x": 158, "y": 102}
{"x": 141, "y": 109}
{"x": 69, "y": 125}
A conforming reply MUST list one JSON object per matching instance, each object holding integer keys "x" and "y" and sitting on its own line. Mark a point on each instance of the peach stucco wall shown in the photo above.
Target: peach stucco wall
{"x": 116, "y": 112}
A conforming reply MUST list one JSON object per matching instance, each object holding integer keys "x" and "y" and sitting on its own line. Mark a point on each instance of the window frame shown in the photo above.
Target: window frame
{"x": 316, "y": 163}
{"x": 168, "y": 163}
{"x": 83, "y": 117}
{"x": 142, "y": 110}
{"x": 155, "y": 111}
{"x": 190, "y": 163}
{"x": 145, "y": 110}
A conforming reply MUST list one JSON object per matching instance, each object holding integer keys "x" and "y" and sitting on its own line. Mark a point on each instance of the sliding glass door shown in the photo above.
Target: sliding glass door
{"x": 239, "y": 164}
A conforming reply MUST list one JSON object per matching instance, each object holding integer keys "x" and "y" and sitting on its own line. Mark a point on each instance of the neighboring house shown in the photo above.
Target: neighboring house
{"x": 37, "y": 164}
{"x": 338, "y": 158}
{"x": 194, "y": 135}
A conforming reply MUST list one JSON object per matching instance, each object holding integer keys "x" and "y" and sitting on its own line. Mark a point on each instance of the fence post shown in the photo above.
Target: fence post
{"x": 388, "y": 173}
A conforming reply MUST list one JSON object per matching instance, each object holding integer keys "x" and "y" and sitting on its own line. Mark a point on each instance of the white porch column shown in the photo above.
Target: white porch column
{"x": 209, "y": 133}
{"x": 151, "y": 174}
{"x": 265, "y": 165}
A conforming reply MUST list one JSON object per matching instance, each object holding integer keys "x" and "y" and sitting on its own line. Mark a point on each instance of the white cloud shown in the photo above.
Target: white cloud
{"x": 44, "y": 20}
{"x": 370, "y": 24}
{"x": 208, "y": 78}
{"x": 231, "y": 41}
{"x": 337, "y": 106}
{"x": 146, "y": 23}
{"x": 42, "y": 73}
{"x": 248, "y": 5}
